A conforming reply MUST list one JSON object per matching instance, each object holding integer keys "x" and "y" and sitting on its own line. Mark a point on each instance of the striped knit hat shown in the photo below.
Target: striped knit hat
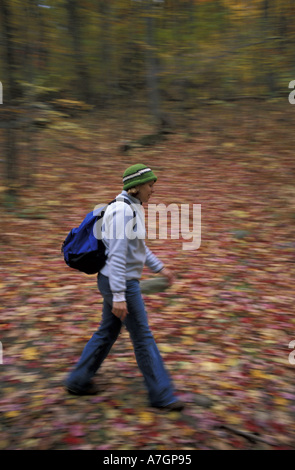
{"x": 137, "y": 174}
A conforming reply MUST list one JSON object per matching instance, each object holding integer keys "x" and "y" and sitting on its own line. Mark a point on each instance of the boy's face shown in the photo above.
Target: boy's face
{"x": 145, "y": 191}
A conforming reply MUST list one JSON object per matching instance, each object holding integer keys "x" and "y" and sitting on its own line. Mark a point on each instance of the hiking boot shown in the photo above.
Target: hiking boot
{"x": 177, "y": 405}
{"x": 92, "y": 389}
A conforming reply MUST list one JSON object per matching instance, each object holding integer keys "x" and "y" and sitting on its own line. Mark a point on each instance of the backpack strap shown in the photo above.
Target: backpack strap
{"x": 126, "y": 202}
{"x": 123, "y": 200}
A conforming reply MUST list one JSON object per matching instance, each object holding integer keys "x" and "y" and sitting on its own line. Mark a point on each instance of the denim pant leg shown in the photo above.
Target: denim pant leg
{"x": 98, "y": 347}
{"x": 149, "y": 360}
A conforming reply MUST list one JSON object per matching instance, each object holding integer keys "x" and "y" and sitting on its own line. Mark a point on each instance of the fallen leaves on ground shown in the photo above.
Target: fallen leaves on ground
{"x": 223, "y": 328}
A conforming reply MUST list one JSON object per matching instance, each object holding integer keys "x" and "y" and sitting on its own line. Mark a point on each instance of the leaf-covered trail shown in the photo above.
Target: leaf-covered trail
{"x": 223, "y": 328}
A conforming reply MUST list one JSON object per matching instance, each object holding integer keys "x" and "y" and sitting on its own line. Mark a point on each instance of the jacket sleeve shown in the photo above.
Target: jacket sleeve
{"x": 152, "y": 262}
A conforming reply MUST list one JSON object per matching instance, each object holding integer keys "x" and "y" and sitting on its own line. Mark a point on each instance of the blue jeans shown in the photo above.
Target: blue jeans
{"x": 149, "y": 360}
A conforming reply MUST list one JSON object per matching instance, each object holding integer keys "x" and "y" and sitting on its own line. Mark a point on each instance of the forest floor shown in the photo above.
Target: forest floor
{"x": 224, "y": 328}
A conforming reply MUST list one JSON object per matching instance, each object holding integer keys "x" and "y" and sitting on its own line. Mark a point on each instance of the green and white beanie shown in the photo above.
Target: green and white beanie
{"x": 137, "y": 174}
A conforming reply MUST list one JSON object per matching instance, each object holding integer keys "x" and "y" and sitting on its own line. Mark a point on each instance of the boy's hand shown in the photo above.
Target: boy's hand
{"x": 169, "y": 275}
{"x": 120, "y": 310}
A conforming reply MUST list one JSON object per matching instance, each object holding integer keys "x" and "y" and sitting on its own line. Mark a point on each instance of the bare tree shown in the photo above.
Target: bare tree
{"x": 151, "y": 63}
{"x": 11, "y": 91}
{"x": 84, "y": 86}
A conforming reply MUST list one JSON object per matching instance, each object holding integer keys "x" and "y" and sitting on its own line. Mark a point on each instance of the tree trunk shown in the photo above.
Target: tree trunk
{"x": 10, "y": 91}
{"x": 83, "y": 89}
{"x": 105, "y": 51}
{"x": 11, "y": 88}
{"x": 151, "y": 65}
{"x": 269, "y": 72}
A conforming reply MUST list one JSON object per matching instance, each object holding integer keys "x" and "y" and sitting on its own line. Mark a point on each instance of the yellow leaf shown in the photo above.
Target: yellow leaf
{"x": 224, "y": 384}
{"x": 240, "y": 214}
{"x": 111, "y": 414}
{"x": 188, "y": 341}
{"x": 281, "y": 401}
{"x": 234, "y": 419}
{"x": 53, "y": 203}
{"x": 166, "y": 348}
{"x": 258, "y": 374}
{"x": 212, "y": 366}
{"x": 228, "y": 144}
{"x": 146, "y": 417}
{"x": 30, "y": 354}
{"x": 29, "y": 378}
{"x": 233, "y": 361}
{"x": 11, "y": 414}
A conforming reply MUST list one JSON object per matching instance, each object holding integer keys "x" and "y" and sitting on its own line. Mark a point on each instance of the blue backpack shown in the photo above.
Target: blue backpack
{"x": 83, "y": 248}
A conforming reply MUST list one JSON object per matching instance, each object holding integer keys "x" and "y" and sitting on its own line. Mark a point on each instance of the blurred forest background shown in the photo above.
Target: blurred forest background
{"x": 150, "y": 60}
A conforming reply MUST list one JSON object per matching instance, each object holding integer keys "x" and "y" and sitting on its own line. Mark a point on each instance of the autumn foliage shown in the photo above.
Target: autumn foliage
{"x": 224, "y": 326}
{"x": 198, "y": 90}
